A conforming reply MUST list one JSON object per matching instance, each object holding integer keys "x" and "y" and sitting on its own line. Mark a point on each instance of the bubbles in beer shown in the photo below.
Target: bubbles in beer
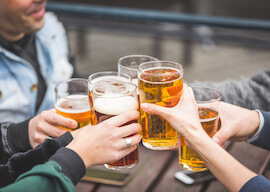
{"x": 160, "y": 74}
{"x": 161, "y": 86}
{"x": 113, "y": 99}
{"x": 76, "y": 107}
{"x": 187, "y": 157}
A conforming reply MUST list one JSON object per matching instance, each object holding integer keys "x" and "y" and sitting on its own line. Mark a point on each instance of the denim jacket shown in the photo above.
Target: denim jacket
{"x": 18, "y": 80}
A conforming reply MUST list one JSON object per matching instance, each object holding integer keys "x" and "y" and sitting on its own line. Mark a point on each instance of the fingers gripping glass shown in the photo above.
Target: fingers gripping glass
{"x": 208, "y": 101}
{"x": 160, "y": 83}
{"x": 111, "y": 99}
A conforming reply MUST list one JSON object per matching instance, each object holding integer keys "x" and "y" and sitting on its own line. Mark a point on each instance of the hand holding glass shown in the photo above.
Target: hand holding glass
{"x": 208, "y": 101}
{"x": 160, "y": 83}
{"x": 111, "y": 99}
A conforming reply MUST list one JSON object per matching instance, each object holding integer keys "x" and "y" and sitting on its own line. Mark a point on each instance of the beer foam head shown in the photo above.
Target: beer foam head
{"x": 115, "y": 104}
{"x": 163, "y": 75}
{"x": 73, "y": 104}
{"x": 103, "y": 79}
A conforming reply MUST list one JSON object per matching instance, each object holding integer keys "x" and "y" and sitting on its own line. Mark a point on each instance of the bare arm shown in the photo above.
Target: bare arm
{"x": 184, "y": 118}
{"x": 232, "y": 174}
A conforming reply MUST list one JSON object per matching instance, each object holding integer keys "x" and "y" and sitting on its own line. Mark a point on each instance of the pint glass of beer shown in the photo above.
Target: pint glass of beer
{"x": 114, "y": 99}
{"x": 105, "y": 77}
{"x": 72, "y": 101}
{"x": 208, "y": 101}
{"x": 160, "y": 83}
{"x": 129, "y": 64}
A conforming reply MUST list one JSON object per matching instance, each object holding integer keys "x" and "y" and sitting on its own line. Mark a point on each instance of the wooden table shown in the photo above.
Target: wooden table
{"x": 155, "y": 171}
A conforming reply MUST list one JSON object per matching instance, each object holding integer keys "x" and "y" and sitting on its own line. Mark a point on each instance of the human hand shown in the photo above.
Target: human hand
{"x": 45, "y": 125}
{"x": 183, "y": 117}
{"x": 105, "y": 142}
{"x": 237, "y": 123}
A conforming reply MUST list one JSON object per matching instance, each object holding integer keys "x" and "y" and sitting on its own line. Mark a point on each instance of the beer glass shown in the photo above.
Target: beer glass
{"x": 104, "y": 77}
{"x": 129, "y": 64}
{"x": 160, "y": 83}
{"x": 113, "y": 99}
{"x": 72, "y": 101}
{"x": 208, "y": 101}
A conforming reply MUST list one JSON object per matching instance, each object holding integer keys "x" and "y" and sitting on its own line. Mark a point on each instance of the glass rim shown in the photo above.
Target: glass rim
{"x": 208, "y": 88}
{"x": 129, "y": 56}
{"x": 66, "y": 81}
{"x": 124, "y": 95}
{"x": 108, "y": 72}
{"x": 161, "y": 61}
{"x": 181, "y": 71}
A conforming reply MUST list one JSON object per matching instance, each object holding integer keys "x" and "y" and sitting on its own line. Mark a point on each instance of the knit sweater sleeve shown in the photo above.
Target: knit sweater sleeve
{"x": 251, "y": 93}
{"x": 23, "y": 162}
{"x": 44, "y": 177}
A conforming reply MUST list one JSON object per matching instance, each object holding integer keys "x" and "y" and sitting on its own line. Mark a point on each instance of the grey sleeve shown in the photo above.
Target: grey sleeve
{"x": 252, "y": 93}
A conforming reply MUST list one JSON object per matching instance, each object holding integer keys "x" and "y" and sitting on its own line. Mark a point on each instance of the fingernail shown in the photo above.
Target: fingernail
{"x": 217, "y": 140}
{"x": 144, "y": 106}
{"x": 74, "y": 124}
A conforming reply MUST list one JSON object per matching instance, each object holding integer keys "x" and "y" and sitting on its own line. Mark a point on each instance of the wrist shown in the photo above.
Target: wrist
{"x": 80, "y": 153}
{"x": 195, "y": 137}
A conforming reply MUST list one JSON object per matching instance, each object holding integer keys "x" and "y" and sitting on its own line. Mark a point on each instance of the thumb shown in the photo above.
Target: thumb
{"x": 221, "y": 136}
{"x": 155, "y": 109}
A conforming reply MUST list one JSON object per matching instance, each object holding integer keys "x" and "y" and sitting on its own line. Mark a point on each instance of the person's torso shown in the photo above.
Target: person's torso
{"x": 18, "y": 80}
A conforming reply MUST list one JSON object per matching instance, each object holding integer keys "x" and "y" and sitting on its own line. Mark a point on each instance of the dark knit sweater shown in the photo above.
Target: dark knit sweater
{"x": 22, "y": 162}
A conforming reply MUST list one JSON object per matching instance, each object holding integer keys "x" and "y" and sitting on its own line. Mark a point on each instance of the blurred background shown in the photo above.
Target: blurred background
{"x": 214, "y": 40}
{"x": 212, "y": 53}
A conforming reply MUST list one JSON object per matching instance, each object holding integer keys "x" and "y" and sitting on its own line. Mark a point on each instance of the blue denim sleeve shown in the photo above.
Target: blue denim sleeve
{"x": 258, "y": 184}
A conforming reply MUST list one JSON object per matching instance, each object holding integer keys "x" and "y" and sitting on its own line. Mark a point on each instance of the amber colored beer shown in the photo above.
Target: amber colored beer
{"x": 75, "y": 107}
{"x": 92, "y": 113}
{"x": 188, "y": 159}
{"x": 109, "y": 105}
{"x": 161, "y": 86}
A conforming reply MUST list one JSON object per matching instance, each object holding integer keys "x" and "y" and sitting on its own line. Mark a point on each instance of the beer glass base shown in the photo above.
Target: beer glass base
{"x": 190, "y": 168}
{"x": 161, "y": 147}
{"x": 112, "y": 167}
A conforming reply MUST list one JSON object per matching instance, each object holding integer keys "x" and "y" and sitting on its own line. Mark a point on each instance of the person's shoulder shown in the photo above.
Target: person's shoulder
{"x": 52, "y": 26}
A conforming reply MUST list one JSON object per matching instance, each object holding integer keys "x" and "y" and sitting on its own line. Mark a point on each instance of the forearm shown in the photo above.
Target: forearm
{"x": 232, "y": 174}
